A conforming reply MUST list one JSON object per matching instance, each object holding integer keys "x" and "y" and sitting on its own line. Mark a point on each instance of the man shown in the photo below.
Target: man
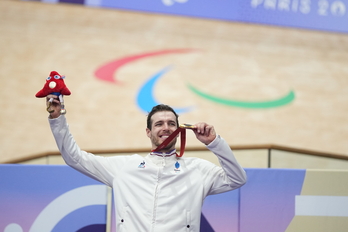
{"x": 160, "y": 192}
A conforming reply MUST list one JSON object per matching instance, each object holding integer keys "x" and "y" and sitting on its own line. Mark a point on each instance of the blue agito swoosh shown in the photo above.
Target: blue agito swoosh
{"x": 146, "y": 99}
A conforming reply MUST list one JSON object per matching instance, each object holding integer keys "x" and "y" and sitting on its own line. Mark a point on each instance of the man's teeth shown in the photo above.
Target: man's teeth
{"x": 165, "y": 136}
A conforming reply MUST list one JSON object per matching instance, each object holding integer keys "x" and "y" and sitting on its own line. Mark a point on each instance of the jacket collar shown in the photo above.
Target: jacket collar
{"x": 164, "y": 154}
{"x": 162, "y": 158}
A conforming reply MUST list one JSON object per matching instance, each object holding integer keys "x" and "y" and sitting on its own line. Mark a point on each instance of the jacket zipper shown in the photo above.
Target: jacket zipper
{"x": 156, "y": 196}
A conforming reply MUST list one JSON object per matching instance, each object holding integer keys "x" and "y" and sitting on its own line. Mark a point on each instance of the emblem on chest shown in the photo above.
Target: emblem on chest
{"x": 177, "y": 167}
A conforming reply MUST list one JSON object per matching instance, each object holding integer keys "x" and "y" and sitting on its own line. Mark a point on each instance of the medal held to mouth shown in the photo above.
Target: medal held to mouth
{"x": 182, "y": 130}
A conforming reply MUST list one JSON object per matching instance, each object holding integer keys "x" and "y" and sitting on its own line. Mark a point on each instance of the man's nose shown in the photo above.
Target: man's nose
{"x": 165, "y": 126}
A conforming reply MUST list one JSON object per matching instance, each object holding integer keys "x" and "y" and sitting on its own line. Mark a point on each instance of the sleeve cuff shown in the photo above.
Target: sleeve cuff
{"x": 215, "y": 142}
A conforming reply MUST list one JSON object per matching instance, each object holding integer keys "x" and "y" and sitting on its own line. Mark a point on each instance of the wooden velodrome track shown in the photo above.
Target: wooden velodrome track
{"x": 231, "y": 60}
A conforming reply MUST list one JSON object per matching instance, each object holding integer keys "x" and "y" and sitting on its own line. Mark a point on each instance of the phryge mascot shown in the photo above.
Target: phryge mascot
{"x": 54, "y": 85}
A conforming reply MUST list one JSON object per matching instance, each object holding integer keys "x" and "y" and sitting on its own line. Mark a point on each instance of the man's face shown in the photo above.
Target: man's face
{"x": 163, "y": 124}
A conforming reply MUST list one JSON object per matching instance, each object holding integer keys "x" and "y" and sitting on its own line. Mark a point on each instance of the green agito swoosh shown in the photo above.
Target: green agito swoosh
{"x": 246, "y": 104}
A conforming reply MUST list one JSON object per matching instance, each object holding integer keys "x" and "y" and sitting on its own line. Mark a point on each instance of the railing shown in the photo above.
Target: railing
{"x": 303, "y": 152}
{"x": 252, "y": 156}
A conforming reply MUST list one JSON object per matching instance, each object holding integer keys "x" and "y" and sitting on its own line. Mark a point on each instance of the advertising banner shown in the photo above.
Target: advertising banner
{"x": 328, "y": 15}
{"x": 58, "y": 198}
{"x": 37, "y": 198}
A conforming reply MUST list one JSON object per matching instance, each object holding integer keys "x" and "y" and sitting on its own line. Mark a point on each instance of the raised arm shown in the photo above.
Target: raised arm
{"x": 232, "y": 175}
{"x": 97, "y": 167}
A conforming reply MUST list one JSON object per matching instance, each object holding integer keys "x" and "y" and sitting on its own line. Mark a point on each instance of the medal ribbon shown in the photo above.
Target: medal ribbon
{"x": 182, "y": 131}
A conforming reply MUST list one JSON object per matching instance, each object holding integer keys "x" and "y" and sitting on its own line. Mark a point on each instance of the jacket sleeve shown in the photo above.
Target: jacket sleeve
{"x": 99, "y": 168}
{"x": 231, "y": 175}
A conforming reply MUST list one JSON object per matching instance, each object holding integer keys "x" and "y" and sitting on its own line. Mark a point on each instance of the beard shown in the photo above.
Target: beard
{"x": 170, "y": 145}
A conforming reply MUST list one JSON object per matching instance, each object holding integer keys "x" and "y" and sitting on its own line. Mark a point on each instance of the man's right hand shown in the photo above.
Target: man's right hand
{"x": 53, "y": 106}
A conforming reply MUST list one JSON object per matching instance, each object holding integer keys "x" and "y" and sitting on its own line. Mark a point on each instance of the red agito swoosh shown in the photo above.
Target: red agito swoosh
{"x": 107, "y": 71}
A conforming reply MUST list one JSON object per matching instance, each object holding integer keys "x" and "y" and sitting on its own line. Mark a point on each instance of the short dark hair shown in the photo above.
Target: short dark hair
{"x": 158, "y": 108}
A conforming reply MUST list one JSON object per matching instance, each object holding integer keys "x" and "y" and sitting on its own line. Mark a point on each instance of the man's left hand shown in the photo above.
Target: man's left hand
{"x": 204, "y": 132}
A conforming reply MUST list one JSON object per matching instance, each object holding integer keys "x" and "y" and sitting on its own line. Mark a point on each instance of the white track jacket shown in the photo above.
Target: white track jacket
{"x": 155, "y": 193}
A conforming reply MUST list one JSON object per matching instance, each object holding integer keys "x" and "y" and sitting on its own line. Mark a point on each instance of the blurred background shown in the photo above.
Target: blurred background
{"x": 271, "y": 76}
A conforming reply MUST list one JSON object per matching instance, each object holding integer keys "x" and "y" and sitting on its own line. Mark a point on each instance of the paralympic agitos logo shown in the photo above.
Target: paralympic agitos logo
{"x": 145, "y": 96}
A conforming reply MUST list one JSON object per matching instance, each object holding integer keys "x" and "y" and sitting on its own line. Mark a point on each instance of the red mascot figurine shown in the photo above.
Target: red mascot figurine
{"x": 54, "y": 85}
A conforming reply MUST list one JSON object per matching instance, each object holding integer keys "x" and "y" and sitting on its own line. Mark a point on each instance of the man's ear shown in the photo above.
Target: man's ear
{"x": 148, "y": 131}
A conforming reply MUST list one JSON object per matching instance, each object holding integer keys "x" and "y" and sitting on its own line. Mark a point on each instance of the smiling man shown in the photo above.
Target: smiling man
{"x": 162, "y": 121}
{"x": 161, "y": 191}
